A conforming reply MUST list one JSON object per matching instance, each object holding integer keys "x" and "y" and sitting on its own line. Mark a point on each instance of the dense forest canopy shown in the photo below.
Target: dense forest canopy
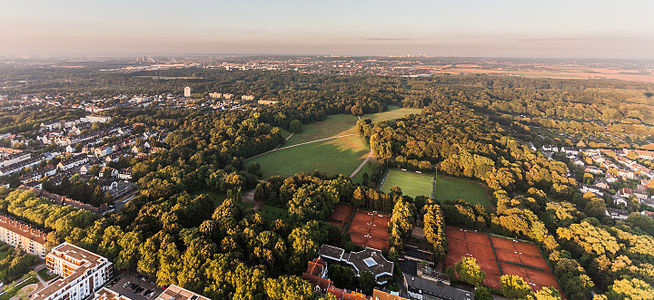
{"x": 478, "y": 127}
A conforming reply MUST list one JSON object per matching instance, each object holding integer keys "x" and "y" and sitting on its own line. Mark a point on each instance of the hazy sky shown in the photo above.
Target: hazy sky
{"x": 520, "y": 28}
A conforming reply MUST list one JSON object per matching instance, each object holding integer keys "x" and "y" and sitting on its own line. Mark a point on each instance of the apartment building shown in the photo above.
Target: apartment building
{"x": 174, "y": 292}
{"x": 83, "y": 273}
{"x": 24, "y": 236}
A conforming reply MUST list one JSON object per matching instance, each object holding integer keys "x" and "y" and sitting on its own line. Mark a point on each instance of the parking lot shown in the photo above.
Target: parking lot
{"x": 134, "y": 287}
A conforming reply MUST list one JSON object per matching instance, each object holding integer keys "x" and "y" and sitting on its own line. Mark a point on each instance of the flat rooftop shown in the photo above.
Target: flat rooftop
{"x": 174, "y": 292}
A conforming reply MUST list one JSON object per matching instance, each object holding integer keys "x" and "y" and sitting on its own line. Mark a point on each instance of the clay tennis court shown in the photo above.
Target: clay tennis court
{"x": 369, "y": 229}
{"x": 341, "y": 215}
{"x": 513, "y": 257}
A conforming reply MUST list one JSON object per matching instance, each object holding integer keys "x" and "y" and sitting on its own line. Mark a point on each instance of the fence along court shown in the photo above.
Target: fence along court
{"x": 498, "y": 255}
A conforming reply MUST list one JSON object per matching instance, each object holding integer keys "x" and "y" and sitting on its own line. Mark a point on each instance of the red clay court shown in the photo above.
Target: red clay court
{"x": 370, "y": 229}
{"x": 341, "y": 215}
{"x": 513, "y": 257}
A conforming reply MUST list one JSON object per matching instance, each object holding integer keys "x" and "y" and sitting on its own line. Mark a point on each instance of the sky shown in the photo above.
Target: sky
{"x": 492, "y": 28}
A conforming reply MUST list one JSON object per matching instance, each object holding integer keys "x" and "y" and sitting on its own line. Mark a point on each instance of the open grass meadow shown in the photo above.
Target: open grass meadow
{"x": 337, "y": 156}
{"x": 452, "y": 188}
{"x": 411, "y": 183}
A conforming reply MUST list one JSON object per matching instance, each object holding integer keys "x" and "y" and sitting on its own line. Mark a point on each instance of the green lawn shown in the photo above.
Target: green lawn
{"x": 338, "y": 156}
{"x": 393, "y": 112}
{"x": 452, "y": 188}
{"x": 11, "y": 291}
{"x": 4, "y": 250}
{"x": 411, "y": 183}
{"x": 447, "y": 188}
{"x": 271, "y": 213}
{"x": 334, "y": 125}
{"x": 43, "y": 273}
{"x": 343, "y": 124}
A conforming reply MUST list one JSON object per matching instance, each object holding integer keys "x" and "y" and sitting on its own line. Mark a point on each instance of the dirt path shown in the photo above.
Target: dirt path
{"x": 249, "y": 198}
{"x": 305, "y": 143}
{"x": 363, "y": 163}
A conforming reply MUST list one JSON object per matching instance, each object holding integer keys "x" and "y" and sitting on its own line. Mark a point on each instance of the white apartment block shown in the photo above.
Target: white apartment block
{"x": 83, "y": 273}
{"x": 23, "y": 236}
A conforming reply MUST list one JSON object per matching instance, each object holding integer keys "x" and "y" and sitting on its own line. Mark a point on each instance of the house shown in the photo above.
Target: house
{"x": 14, "y": 158}
{"x": 70, "y": 149}
{"x": 420, "y": 286}
{"x": 585, "y": 189}
{"x": 617, "y": 214}
{"x": 593, "y": 170}
{"x": 381, "y": 295}
{"x": 368, "y": 259}
{"x": 51, "y": 125}
{"x": 72, "y": 162}
{"x": 102, "y": 151}
{"x": 618, "y": 200}
{"x": 38, "y": 174}
{"x": 601, "y": 183}
{"x": 19, "y": 166}
{"x": 125, "y": 174}
{"x": 316, "y": 275}
{"x": 625, "y": 192}
{"x": 626, "y": 173}
{"x": 640, "y": 196}
{"x": 85, "y": 169}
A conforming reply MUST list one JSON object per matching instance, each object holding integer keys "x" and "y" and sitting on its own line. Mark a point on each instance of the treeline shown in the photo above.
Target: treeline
{"x": 77, "y": 189}
{"x": 14, "y": 264}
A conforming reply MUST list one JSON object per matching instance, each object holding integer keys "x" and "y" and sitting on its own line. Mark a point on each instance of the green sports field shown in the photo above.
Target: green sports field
{"x": 447, "y": 188}
{"x": 452, "y": 188}
{"x": 411, "y": 183}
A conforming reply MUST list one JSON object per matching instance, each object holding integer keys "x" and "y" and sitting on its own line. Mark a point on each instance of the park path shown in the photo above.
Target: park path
{"x": 363, "y": 163}
{"x": 305, "y": 143}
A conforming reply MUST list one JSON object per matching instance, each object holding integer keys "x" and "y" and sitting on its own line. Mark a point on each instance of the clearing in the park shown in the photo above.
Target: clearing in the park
{"x": 341, "y": 154}
{"x": 412, "y": 184}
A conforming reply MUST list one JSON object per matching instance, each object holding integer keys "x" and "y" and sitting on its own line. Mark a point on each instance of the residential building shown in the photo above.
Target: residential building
{"x": 247, "y": 97}
{"x": 215, "y": 95}
{"x": 73, "y": 162}
{"x": 83, "y": 272}
{"x": 95, "y": 119}
{"x": 24, "y": 236}
{"x": 187, "y": 92}
{"x": 617, "y": 214}
{"x": 381, "y": 295}
{"x": 316, "y": 275}
{"x": 107, "y": 294}
{"x": 368, "y": 259}
{"x": 419, "y": 286}
{"x": 174, "y": 292}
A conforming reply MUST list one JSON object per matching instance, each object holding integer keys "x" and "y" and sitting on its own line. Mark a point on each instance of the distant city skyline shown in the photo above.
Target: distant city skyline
{"x": 503, "y": 28}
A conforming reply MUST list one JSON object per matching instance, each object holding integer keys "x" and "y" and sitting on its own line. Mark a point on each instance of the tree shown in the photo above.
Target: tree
{"x": 633, "y": 288}
{"x": 295, "y": 126}
{"x": 483, "y": 293}
{"x": 366, "y": 282}
{"x": 469, "y": 271}
{"x": 288, "y": 287}
{"x": 434, "y": 229}
{"x": 546, "y": 293}
{"x": 514, "y": 287}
